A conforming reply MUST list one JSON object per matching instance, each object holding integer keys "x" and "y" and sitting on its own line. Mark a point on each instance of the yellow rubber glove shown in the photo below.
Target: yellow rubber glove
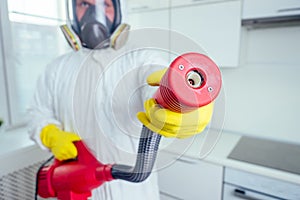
{"x": 169, "y": 123}
{"x": 59, "y": 142}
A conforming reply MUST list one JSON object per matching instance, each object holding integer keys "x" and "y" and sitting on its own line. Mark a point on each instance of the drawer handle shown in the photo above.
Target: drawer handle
{"x": 243, "y": 194}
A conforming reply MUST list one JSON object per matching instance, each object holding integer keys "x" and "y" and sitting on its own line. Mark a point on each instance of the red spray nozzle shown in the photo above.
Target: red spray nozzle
{"x": 192, "y": 80}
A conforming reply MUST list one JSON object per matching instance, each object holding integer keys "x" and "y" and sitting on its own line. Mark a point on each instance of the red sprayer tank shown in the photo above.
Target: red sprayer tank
{"x": 73, "y": 179}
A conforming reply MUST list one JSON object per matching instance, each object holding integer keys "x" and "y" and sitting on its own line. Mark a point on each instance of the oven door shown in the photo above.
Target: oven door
{"x": 233, "y": 192}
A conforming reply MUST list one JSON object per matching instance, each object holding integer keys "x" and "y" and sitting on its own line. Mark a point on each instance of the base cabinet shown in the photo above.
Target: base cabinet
{"x": 191, "y": 179}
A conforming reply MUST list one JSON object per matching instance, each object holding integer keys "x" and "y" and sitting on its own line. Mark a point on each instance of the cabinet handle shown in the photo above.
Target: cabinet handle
{"x": 243, "y": 194}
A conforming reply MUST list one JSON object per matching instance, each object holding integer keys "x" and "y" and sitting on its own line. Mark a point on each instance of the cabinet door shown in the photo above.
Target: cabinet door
{"x": 156, "y": 18}
{"x": 159, "y": 20}
{"x": 215, "y": 27}
{"x": 190, "y": 179}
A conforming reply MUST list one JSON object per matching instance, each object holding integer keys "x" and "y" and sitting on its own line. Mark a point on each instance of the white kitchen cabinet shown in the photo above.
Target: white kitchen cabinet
{"x": 190, "y": 179}
{"x": 158, "y": 21}
{"x": 153, "y": 19}
{"x": 270, "y": 8}
{"x": 215, "y": 27}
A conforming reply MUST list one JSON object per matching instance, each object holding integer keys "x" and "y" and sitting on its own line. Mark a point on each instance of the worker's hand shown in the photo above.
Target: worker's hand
{"x": 59, "y": 142}
{"x": 169, "y": 123}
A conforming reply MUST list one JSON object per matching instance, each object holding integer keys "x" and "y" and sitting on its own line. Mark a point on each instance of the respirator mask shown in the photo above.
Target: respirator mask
{"x": 95, "y": 21}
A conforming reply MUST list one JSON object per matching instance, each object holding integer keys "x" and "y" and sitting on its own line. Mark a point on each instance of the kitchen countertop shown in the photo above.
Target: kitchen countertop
{"x": 219, "y": 155}
{"x": 17, "y": 141}
{"x": 228, "y": 142}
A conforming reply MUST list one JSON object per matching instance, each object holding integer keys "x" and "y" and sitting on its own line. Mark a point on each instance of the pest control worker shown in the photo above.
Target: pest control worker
{"x": 95, "y": 93}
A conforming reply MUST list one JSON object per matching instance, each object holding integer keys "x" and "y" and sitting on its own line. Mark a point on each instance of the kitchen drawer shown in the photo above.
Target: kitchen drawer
{"x": 216, "y": 27}
{"x": 191, "y": 179}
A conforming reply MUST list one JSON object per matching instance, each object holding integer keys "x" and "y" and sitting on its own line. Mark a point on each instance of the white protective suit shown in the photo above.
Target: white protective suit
{"x": 96, "y": 94}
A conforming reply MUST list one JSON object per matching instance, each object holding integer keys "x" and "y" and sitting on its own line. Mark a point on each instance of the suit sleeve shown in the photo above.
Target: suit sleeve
{"x": 41, "y": 111}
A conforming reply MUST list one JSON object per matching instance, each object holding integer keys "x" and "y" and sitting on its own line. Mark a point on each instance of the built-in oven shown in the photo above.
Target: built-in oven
{"x": 235, "y": 192}
{"x": 241, "y": 185}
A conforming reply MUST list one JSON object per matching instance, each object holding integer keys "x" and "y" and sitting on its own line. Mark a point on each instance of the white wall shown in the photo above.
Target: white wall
{"x": 263, "y": 94}
{"x": 3, "y": 93}
{"x": 3, "y": 101}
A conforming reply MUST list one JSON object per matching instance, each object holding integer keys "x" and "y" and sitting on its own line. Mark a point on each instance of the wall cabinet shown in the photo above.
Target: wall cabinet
{"x": 190, "y": 179}
{"x": 158, "y": 19}
{"x": 153, "y": 19}
{"x": 214, "y": 25}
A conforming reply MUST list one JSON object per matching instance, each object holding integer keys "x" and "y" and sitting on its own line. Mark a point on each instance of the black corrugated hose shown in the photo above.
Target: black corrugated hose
{"x": 147, "y": 151}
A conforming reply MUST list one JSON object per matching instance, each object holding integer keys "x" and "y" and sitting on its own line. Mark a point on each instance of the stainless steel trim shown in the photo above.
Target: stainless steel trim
{"x": 288, "y": 10}
{"x": 271, "y": 20}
